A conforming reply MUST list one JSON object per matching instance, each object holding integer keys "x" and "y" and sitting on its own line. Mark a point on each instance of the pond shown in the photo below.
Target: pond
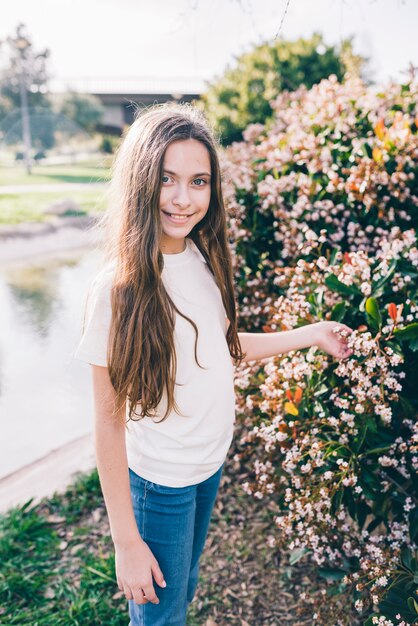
{"x": 46, "y": 398}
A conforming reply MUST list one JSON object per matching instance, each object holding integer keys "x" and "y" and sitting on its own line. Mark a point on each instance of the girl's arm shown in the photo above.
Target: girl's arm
{"x": 112, "y": 464}
{"x": 263, "y": 345}
{"x": 135, "y": 563}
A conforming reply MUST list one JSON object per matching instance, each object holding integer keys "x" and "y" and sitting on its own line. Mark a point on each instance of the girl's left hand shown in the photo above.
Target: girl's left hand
{"x": 330, "y": 342}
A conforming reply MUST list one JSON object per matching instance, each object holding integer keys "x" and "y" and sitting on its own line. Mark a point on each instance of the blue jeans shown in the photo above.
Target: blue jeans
{"x": 174, "y": 522}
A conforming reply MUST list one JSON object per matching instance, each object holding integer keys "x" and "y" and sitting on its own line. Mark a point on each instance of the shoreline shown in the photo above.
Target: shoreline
{"x": 24, "y": 242}
{"x": 33, "y": 242}
{"x": 51, "y": 473}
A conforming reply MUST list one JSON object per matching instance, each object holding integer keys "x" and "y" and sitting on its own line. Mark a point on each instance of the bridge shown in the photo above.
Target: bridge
{"x": 122, "y": 96}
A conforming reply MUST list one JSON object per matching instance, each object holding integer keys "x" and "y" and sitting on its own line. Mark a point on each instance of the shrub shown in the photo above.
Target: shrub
{"x": 243, "y": 94}
{"x": 39, "y": 155}
{"x": 86, "y": 110}
{"x": 106, "y": 145}
{"x": 323, "y": 218}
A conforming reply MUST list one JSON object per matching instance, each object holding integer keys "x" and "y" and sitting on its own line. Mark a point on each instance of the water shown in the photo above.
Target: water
{"x": 45, "y": 393}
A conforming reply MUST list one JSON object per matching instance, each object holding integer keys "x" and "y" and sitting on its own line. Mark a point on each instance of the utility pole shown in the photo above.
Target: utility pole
{"x": 22, "y": 44}
{"x": 25, "y": 60}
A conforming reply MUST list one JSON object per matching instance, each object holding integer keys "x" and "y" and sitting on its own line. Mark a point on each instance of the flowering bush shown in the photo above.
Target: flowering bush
{"x": 323, "y": 218}
{"x": 338, "y": 164}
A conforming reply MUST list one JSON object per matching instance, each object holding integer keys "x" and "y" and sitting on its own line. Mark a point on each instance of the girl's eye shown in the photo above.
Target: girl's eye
{"x": 202, "y": 181}
{"x": 165, "y": 178}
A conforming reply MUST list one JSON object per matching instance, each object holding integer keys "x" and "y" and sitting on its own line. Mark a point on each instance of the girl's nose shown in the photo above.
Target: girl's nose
{"x": 181, "y": 197}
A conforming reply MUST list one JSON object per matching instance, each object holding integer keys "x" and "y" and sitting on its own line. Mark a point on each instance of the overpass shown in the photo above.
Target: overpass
{"x": 122, "y": 96}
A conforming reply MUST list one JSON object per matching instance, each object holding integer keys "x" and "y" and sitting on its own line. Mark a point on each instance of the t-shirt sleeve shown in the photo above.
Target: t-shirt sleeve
{"x": 92, "y": 347}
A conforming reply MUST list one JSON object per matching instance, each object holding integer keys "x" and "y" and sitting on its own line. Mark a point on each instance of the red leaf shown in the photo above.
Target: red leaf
{"x": 393, "y": 312}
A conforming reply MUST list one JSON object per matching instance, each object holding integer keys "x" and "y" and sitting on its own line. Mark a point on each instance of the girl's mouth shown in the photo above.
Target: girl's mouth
{"x": 177, "y": 218}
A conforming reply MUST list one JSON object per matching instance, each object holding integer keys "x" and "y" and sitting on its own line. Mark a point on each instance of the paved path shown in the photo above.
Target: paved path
{"x": 43, "y": 187}
{"x": 53, "y": 472}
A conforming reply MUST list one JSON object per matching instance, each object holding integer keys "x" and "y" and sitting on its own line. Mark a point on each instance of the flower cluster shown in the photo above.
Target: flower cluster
{"x": 337, "y": 166}
{"x": 334, "y": 447}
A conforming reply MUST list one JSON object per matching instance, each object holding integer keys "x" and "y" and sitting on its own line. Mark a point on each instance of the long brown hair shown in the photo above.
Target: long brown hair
{"x": 141, "y": 349}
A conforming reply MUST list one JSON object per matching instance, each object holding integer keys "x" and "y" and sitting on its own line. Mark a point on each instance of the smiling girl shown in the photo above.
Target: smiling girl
{"x": 162, "y": 340}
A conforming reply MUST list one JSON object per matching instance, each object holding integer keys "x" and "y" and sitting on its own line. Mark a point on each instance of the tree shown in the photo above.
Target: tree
{"x": 23, "y": 88}
{"x": 23, "y": 58}
{"x": 84, "y": 109}
{"x": 242, "y": 95}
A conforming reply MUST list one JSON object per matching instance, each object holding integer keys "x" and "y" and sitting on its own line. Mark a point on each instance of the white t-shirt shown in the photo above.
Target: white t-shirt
{"x": 183, "y": 449}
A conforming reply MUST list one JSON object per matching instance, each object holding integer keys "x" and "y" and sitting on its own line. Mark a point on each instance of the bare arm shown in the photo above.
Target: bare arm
{"x": 264, "y": 345}
{"x": 135, "y": 563}
{"x": 259, "y": 346}
{"x": 111, "y": 459}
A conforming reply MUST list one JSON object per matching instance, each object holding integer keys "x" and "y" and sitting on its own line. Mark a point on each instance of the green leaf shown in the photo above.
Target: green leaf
{"x": 408, "y": 332}
{"x": 406, "y": 558}
{"x": 335, "y": 590}
{"x": 407, "y": 408}
{"x": 338, "y": 311}
{"x": 260, "y": 160}
{"x": 350, "y": 502}
{"x": 363, "y": 510}
{"x": 358, "y": 441}
{"x": 331, "y": 573}
{"x": 101, "y": 574}
{"x": 413, "y": 524}
{"x": 371, "y": 423}
{"x": 412, "y": 605}
{"x": 396, "y": 601}
{"x": 333, "y": 256}
{"x": 296, "y": 555}
{"x": 371, "y": 479}
{"x": 377, "y": 450}
{"x": 374, "y": 523}
{"x": 377, "y": 287}
{"x": 361, "y": 305}
{"x": 321, "y": 390}
{"x": 367, "y": 150}
{"x": 373, "y": 313}
{"x": 335, "y": 285}
{"x": 336, "y": 500}
{"x": 397, "y": 350}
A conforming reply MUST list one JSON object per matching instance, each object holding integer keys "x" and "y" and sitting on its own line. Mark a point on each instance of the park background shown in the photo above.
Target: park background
{"x": 88, "y": 66}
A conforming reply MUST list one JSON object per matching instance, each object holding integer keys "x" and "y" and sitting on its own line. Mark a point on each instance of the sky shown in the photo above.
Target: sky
{"x": 117, "y": 39}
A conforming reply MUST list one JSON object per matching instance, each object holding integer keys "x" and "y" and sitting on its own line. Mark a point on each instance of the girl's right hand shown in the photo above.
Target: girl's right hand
{"x": 135, "y": 566}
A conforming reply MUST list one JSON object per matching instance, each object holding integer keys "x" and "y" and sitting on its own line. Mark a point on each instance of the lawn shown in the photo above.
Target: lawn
{"x": 86, "y": 172}
{"x": 30, "y": 207}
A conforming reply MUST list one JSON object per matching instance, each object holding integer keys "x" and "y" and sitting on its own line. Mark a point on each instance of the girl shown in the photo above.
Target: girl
{"x": 162, "y": 340}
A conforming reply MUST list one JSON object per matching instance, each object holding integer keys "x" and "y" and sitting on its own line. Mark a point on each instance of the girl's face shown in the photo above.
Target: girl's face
{"x": 185, "y": 192}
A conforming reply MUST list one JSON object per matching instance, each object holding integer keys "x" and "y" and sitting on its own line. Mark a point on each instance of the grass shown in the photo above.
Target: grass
{"x": 30, "y": 207}
{"x": 17, "y": 207}
{"x": 56, "y": 568}
{"x": 57, "y": 565}
{"x": 86, "y": 172}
